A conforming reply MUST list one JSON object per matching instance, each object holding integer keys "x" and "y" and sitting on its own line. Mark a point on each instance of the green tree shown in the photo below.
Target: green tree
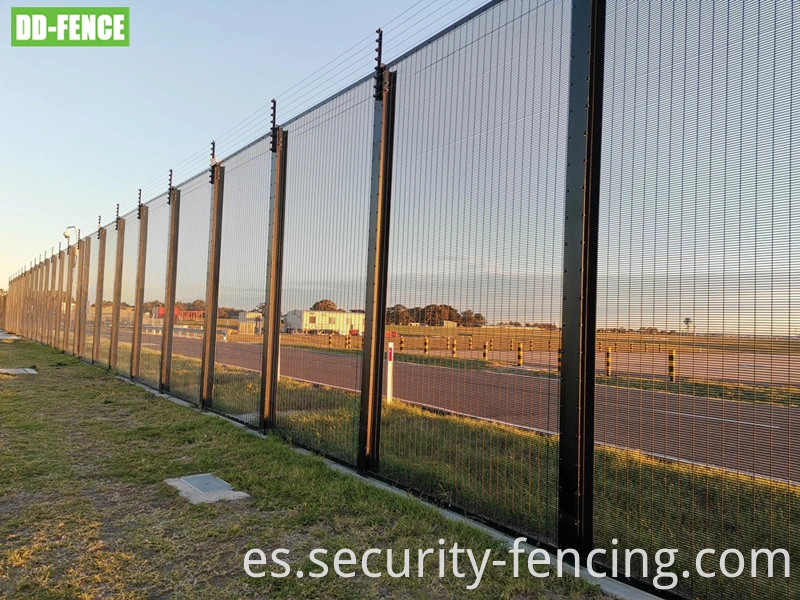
{"x": 196, "y": 305}
{"x": 398, "y": 315}
{"x": 327, "y": 305}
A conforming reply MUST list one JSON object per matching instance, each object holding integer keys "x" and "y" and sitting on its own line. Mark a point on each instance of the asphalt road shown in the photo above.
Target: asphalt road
{"x": 744, "y": 437}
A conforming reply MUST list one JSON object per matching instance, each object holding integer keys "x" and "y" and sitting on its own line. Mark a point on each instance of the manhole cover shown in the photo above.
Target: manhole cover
{"x": 207, "y": 483}
{"x": 204, "y": 488}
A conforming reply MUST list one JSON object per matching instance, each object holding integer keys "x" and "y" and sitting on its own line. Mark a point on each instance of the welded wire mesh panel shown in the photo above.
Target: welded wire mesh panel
{"x": 699, "y": 406}
{"x": 130, "y": 261}
{"x": 243, "y": 271}
{"x": 39, "y": 270}
{"x": 35, "y": 278}
{"x": 155, "y": 277}
{"x": 106, "y": 315}
{"x": 324, "y": 273}
{"x": 37, "y": 300}
{"x": 57, "y": 306}
{"x": 47, "y": 303}
{"x": 190, "y": 288}
{"x": 91, "y": 297}
{"x": 475, "y": 265}
{"x": 70, "y": 284}
{"x": 83, "y": 294}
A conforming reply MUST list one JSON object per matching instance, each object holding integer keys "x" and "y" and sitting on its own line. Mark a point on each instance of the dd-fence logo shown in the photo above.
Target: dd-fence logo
{"x": 70, "y": 26}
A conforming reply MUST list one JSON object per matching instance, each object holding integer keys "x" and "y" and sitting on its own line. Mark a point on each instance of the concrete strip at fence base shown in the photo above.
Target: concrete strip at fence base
{"x": 18, "y": 372}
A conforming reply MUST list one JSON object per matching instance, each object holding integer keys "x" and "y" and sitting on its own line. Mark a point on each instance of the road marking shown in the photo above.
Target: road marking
{"x": 664, "y": 392}
{"x": 610, "y": 387}
{"x": 545, "y": 431}
{"x": 694, "y": 416}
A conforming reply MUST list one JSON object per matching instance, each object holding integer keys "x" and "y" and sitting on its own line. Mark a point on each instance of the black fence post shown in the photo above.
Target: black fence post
{"x": 576, "y": 445}
{"x": 169, "y": 296}
{"x": 38, "y": 304}
{"x": 212, "y": 285}
{"x": 76, "y": 318}
{"x": 44, "y": 301}
{"x": 68, "y": 297}
{"x": 98, "y": 297}
{"x": 377, "y": 267}
{"x": 85, "y": 258}
{"x": 272, "y": 302}
{"x": 58, "y": 299}
{"x": 44, "y": 290}
{"x": 115, "y": 309}
{"x": 141, "y": 266}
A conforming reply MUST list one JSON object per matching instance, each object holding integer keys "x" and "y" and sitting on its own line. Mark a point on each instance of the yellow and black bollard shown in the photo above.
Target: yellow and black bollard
{"x": 519, "y": 355}
{"x": 672, "y": 376}
{"x": 608, "y": 362}
{"x": 531, "y": 348}
{"x": 470, "y": 342}
{"x": 511, "y": 345}
{"x": 485, "y": 350}
{"x": 402, "y": 343}
{"x": 425, "y": 346}
{"x": 559, "y": 361}
{"x": 330, "y": 340}
{"x": 491, "y": 343}
{"x": 645, "y": 347}
{"x": 453, "y": 349}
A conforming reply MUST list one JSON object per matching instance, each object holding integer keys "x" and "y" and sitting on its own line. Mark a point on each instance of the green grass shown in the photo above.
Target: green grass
{"x": 739, "y": 392}
{"x": 510, "y": 476}
{"x": 84, "y": 512}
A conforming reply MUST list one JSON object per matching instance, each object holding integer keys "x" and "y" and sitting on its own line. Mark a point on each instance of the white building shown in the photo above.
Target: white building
{"x": 315, "y": 321}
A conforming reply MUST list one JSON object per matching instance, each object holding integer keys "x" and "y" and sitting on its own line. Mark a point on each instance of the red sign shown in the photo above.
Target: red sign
{"x": 391, "y": 353}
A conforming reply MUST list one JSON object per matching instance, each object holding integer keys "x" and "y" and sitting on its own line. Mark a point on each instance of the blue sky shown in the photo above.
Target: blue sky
{"x": 699, "y": 173}
{"x": 84, "y": 128}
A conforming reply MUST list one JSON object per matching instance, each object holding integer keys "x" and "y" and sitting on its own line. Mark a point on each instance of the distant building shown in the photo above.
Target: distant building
{"x": 250, "y": 322}
{"x": 323, "y": 321}
{"x": 125, "y": 314}
{"x": 191, "y": 315}
{"x": 249, "y": 316}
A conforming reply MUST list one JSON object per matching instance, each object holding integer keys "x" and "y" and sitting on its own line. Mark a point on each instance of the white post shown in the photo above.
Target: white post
{"x": 389, "y": 374}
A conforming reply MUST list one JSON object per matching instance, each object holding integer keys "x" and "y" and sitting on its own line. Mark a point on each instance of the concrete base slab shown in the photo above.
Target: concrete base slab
{"x": 190, "y": 488}
{"x": 8, "y": 336}
{"x": 18, "y": 372}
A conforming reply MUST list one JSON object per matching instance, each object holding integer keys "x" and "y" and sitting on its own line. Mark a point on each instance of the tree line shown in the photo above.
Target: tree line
{"x": 433, "y": 315}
